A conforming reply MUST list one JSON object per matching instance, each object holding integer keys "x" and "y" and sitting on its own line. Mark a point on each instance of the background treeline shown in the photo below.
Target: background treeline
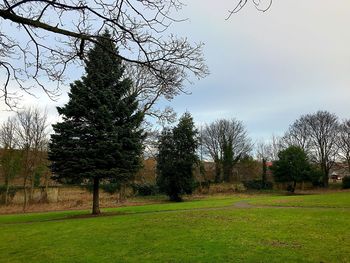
{"x": 221, "y": 148}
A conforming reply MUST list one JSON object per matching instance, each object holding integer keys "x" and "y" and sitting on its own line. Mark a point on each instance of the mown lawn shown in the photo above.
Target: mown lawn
{"x": 315, "y": 228}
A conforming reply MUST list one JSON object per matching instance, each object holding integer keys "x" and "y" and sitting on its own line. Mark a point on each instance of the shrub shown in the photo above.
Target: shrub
{"x": 146, "y": 189}
{"x": 239, "y": 187}
{"x": 204, "y": 184}
{"x": 11, "y": 193}
{"x": 257, "y": 185}
{"x": 346, "y": 182}
{"x": 111, "y": 188}
{"x": 316, "y": 176}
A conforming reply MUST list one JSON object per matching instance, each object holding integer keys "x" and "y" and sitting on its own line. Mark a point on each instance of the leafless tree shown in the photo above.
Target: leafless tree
{"x": 297, "y": 135}
{"x": 322, "y": 128}
{"x": 10, "y": 156}
{"x": 215, "y": 136}
{"x": 344, "y": 142}
{"x": 32, "y": 138}
{"x": 150, "y": 90}
{"x": 269, "y": 150}
{"x": 151, "y": 144}
{"x": 42, "y": 38}
{"x": 8, "y": 138}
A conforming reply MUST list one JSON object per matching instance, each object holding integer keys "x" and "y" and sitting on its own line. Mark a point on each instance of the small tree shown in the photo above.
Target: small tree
{"x": 32, "y": 140}
{"x": 176, "y": 158}
{"x": 100, "y": 136}
{"x": 292, "y": 166}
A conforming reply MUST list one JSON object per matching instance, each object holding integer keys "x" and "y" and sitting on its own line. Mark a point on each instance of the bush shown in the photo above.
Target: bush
{"x": 257, "y": 185}
{"x": 11, "y": 193}
{"x": 145, "y": 189}
{"x": 204, "y": 184}
{"x": 316, "y": 176}
{"x": 110, "y": 188}
{"x": 346, "y": 182}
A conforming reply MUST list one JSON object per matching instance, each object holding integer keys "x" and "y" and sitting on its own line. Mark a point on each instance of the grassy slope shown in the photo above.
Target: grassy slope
{"x": 221, "y": 235}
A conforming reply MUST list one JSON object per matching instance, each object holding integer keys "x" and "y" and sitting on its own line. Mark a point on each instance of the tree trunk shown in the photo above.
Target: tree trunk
{"x": 7, "y": 192}
{"x": 294, "y": 186}
{"x": 325, "y": 178}
{"x": 25, "y": 194}
{"x": 96, "y": 198}
{"x": 31, "y": 192}
{"x": 217, "y": 172}
{"x": 264, "y": 173}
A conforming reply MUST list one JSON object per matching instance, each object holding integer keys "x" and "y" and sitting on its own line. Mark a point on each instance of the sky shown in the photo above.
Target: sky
{"x": 266, "y": 69}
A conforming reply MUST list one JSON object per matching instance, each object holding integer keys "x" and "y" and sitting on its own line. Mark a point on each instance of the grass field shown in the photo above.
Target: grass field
{"x": 256, "y": 228}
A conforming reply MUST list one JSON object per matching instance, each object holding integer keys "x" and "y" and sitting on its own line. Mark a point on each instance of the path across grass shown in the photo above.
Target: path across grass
{"x": 210, "y": 230}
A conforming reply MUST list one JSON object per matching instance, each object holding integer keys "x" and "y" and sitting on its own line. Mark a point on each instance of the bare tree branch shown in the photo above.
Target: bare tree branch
{"x": 259, "y": 5}
{"x": 55, "y": 34}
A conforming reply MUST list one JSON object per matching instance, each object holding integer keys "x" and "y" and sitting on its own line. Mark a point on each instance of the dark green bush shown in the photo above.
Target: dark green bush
{"x": 346, "y": 182}
{"x": 145, "y": 189}
{"x": 110, "y": 188}
{"x": 257, "y": 185}
{"x": 316, "y": 176}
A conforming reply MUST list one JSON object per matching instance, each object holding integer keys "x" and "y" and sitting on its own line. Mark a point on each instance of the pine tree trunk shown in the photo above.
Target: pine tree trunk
{"x": 96, "y": 201}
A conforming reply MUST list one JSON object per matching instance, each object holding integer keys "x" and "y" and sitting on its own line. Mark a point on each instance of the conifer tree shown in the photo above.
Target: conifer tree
{"x": 177, "y": 157}
{"x": 100, "y": 138}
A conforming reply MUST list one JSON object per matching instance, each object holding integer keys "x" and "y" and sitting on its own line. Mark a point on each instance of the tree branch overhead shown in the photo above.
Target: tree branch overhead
{"x": 58, "y": 33}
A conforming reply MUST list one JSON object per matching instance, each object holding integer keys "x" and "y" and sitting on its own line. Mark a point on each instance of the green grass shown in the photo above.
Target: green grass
{"x": 336, "y": 200}
{"x": 208, "y": 230}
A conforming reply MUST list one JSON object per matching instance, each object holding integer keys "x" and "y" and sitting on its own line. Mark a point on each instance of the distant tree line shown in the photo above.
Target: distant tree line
{"x": 321, "y": 135}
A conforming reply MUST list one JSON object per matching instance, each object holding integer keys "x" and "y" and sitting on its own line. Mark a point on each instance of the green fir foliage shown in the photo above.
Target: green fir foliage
{"x": 99, "y": 137}
{"x": 177, "y": 157}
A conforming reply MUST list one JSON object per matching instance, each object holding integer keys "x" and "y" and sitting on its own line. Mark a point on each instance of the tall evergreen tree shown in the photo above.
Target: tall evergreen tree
{"x": 100, "y": 136}
{"x": 176, "y": 158}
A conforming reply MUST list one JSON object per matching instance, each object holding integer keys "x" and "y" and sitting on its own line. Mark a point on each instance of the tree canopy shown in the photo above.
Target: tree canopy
{"x": 292, "y": 166}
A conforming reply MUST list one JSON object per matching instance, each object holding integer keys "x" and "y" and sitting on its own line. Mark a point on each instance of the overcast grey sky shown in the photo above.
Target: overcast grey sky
{"x": 266, "y": 68}
{"x": 269, "y": 68}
